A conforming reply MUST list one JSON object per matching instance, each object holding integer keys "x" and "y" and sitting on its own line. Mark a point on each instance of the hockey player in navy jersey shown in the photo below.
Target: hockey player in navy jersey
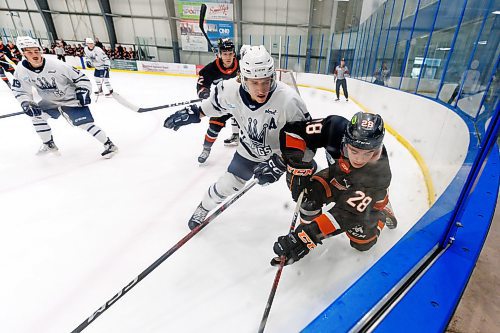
{"x": 261, "y": 106}
{"x": 223, "y": 68}
{"x": 100, "y": 61}
{"x": 64, "y": 91}
{"x": 356, "y": 181}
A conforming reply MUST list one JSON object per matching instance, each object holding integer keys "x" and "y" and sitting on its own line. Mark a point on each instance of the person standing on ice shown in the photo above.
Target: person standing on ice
{"x": 261, "y": 106}
{"x": 63, "y": 89}
{"x": 100, "y": 61}
{"x": 356, "y": 183}
{"x": 223, "y": 68}
{"x": 354, "y": 186}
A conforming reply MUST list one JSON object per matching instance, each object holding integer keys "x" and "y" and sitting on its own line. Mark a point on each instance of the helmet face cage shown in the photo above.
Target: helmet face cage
{"x": 365, "y": 131}
{"x": 225, "y": 44}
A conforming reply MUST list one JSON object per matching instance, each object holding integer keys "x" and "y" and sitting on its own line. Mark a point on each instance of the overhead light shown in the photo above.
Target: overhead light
{"x": 482, "y": 42}
{"x": 496, "y": 12}
{"x": 443, "y": 48}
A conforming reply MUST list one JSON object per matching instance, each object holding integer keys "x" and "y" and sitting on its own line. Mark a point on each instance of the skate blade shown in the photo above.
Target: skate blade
{"x": 111, "y": 154}
{"x": 231, "y": 144}
{"x": 49, "y": 152}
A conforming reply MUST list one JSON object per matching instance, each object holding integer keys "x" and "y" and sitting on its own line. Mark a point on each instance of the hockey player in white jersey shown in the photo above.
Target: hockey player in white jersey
{"x": 261, "y": 106}
{"x": 100, "y": 61}
{"x": 63, "y": 90}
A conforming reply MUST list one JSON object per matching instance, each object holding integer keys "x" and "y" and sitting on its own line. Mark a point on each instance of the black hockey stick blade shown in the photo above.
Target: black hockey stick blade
{"x": 203, "y": 12}
{"x": 167, "y": 254}
{"x": 140, "y": 110}
{"x": 269, "y": 303}
{"x": 10, "y": 115}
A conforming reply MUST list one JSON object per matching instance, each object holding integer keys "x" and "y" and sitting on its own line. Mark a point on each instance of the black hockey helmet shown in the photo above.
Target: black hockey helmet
{"x": 225, "y": 44}
{"x": 365, "y": 131}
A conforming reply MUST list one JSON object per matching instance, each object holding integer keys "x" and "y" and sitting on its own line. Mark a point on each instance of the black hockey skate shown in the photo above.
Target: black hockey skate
{"x": 232, "y": 140}
{"x": 109, "y": 93}
{"x": 390, "y": 220}
{"x": 109, "y": 149}
{"x": 204, "y": 155}
{"x": 198, "y": 217}
{"x": 48, "y": 147}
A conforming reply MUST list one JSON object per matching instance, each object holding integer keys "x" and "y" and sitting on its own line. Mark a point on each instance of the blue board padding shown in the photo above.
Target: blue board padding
{"x": 429, "y": 305}
{"x": 370, "y": 288}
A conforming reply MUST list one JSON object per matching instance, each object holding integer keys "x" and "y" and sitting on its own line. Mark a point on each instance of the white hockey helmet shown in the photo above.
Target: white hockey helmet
{"x": 23, "y": 42}
{"x": 89, "y": 40}
{"x": 257, "y": 63}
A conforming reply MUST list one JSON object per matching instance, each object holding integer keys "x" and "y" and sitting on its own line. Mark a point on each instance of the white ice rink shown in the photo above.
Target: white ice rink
{"x": 75, "y": 228}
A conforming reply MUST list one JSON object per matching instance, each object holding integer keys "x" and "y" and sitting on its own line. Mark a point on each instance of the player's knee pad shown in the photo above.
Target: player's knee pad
{"x": 363, "y": 246}
{"x": 227, "y": 185}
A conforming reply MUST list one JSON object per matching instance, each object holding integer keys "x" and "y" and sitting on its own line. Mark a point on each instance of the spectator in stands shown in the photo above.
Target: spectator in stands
{"x": 470, "y": 80}
{"x": 60, "y": 52}
{"x": 98, "y": 43}
{"x": 14, "y": 51}
{"x": 121, "y": 50}
{"x": 381, "y": 75}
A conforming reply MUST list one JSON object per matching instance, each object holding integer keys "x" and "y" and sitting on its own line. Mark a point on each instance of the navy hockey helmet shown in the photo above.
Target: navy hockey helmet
{"x": 225, "y": 44}
{"x": 365, "y": 131}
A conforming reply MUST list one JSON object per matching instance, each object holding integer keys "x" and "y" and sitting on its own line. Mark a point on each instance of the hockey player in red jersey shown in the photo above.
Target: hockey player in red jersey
{"x": 225, "y": 67}
{"x": 356, "y": 181}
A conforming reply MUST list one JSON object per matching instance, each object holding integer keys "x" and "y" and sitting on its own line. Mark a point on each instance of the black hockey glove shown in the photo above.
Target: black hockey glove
{"x": 297, "y": 244}
{"x": 204, "y": 93}
{"x": 31, "y": 109}
{"x": 83, "y": 96}
{"x": 89, "y": 64}
{"x": 298, "y": 176}
{"x": 269, "y": 171}
{"x": 189, "y": 115}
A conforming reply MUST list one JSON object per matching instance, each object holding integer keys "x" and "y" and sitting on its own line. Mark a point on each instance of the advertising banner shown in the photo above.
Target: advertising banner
{"x": 171, "y": 68}
{"x": 215, "y": 11}
{"x": 130, "y": 65}
{"x": 192, "y": 38}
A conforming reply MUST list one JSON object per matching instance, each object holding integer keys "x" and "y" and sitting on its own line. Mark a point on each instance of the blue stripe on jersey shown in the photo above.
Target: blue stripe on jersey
{"x": 215, "y": 99}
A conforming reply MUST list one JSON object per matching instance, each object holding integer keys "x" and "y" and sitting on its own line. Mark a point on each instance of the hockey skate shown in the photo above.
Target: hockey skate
{"x": 390, "y": 219}
{"x": 198, "y": 217}
{"x": 204, "y": 155}
{"x": 48, "y": 147}
{"x": 232, "y": 140}
{"x": 109, "y": 93}
{"x": 109, "y": 149}
{"x": 98, "y": 92}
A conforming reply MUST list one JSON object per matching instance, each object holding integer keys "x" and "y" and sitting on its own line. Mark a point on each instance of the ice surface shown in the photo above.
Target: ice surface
{"x": 75, "y": 228}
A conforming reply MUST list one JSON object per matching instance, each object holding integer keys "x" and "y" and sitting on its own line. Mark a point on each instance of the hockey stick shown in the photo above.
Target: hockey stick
{"x": 280, "y": 269}
{"x": 123, "y": 101}
{"x": 167, "y": 254}
{"x": 140, "y": 110}
{"x": 11, "y": 114}
{"x": 203, "y": 12}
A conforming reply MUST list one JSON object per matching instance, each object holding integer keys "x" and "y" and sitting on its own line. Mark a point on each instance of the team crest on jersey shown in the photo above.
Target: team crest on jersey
{"x": 258, "y": 138}
{"x": 273, "y": 112}
{"x": 44, "y": 84}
